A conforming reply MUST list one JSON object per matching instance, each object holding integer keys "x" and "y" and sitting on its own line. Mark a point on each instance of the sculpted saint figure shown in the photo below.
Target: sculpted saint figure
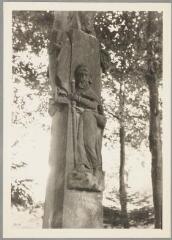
{"x": 90, "y": 123}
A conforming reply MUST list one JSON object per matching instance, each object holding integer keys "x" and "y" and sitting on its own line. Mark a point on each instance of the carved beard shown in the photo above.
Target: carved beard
{"x": 83, "y": 84}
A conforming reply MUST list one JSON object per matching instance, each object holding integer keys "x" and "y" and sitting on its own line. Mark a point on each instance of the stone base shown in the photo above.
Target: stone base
{"x": 85, "y": 181}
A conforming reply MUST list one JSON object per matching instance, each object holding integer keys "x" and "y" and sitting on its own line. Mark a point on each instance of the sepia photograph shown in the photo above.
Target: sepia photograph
{"x": 87, "y": 120}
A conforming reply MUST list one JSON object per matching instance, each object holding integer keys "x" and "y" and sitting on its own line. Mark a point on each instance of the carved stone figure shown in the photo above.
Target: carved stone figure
{"x": 90, "y": 124}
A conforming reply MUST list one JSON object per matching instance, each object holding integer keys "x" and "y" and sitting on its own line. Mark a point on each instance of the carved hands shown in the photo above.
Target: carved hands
{"x": 74, "y": 97}
{"x": 83, "y": 101}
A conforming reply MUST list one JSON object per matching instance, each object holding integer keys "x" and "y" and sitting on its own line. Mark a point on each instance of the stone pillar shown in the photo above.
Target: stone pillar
{"x": 74, "y": 193}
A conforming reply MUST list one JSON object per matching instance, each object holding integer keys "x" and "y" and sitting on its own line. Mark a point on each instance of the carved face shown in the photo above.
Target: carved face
{"x": 82, "y": 77}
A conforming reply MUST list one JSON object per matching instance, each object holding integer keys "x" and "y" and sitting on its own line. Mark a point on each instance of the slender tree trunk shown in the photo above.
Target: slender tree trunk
{"x": 155, "y": 126}
{"x": 122, "y": 190}
{"x": 156, "y": 150}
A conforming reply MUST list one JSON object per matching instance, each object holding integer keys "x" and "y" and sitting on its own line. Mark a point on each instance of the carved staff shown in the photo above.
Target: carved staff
{"x": 75, "y": 24}
{"x": 73, "y": 104}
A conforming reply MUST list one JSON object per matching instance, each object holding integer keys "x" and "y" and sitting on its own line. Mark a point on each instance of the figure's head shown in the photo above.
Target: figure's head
{"x": 82, "y": 76}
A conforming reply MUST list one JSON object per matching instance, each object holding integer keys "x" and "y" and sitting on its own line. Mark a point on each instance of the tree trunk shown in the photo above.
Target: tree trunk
{"x": 122, "y": 190}
{"x": 155, "y": 126}
{"x": 156, "y": 149}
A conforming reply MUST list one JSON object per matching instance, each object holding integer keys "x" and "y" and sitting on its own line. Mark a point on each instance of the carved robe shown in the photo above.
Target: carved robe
{"x": 90, "y": 124}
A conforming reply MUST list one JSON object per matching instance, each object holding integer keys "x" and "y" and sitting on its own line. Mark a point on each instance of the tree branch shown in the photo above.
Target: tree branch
{"x": 113, "y": 115}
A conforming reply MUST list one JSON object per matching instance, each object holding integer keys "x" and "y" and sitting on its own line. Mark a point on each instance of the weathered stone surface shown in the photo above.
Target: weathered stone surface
{"x": 85, "y": 181}
{"x": 85, "y": 50}
{"x": 82, "y": 209}
{"x": 88, "y": 112}
{"x": 54, "y": 202}
{"x": 69, "y": 20}
{"x": 67, "y": 208}
{"x": 59, "y": 65}
{"x": 59, "y": 68}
